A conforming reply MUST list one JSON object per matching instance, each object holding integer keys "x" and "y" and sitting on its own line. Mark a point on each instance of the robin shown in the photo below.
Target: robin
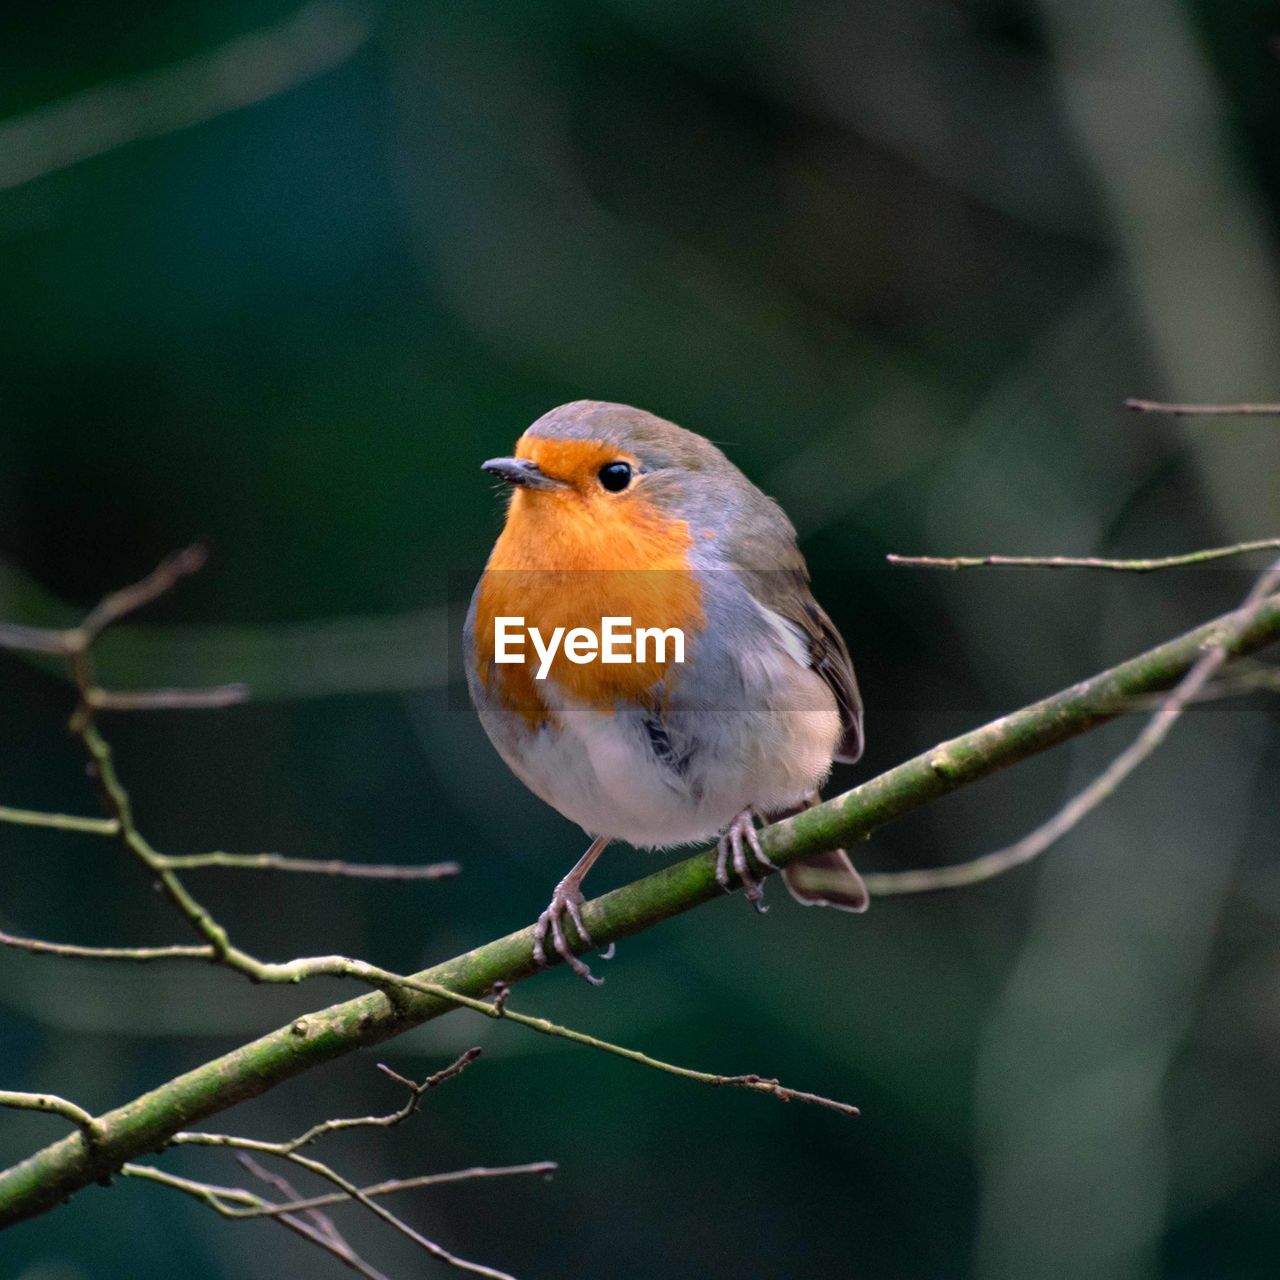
{"x": 618, "y": 518}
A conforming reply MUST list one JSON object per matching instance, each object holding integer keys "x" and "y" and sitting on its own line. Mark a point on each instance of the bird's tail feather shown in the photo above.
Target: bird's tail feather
{"x": 828, "y": 880}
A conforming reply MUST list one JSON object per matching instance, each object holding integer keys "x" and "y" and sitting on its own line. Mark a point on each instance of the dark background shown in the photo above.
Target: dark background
{"x": 280, "y": 279}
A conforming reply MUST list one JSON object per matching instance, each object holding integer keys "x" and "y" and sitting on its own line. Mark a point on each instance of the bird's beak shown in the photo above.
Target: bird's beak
{"x": 520, "y": 471}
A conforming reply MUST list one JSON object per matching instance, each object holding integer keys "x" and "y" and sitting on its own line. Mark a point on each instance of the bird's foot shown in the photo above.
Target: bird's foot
{"x": 566, "y": 901}
{"x": 738, "y": 836}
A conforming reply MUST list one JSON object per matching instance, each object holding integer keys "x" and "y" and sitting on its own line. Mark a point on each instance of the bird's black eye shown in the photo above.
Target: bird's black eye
{"x": 615, "y": 476}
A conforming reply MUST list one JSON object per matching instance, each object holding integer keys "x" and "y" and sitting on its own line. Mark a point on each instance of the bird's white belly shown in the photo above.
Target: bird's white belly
{"x": 606, "y": 778}
{"x": 610, "y": 783}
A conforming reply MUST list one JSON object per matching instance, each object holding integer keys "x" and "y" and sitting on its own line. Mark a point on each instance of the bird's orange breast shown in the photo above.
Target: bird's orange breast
{"x": 569, "y": 557}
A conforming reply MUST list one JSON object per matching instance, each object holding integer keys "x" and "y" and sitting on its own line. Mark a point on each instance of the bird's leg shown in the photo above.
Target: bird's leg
{"x": 568, "y": 900}
{"x": 742, "y": 830}
{"x": 753, "y": 839}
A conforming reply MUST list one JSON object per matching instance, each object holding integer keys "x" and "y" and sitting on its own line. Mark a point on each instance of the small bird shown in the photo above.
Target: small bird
{"x": 617, "y": 514}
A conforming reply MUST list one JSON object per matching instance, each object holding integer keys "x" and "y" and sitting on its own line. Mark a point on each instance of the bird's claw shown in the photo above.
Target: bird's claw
{"x": 565, "y": 901}
{"x": 738, "y": 836}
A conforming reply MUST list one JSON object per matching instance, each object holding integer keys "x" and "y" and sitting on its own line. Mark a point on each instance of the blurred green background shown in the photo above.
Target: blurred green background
{"x": 279, "y": 278}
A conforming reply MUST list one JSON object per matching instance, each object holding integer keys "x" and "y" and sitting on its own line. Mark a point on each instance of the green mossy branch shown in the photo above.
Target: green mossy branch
{"x": 146, "y": 1124}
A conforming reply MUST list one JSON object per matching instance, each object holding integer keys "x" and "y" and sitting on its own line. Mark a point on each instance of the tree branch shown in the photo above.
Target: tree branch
{"x": 50, "y": 1176}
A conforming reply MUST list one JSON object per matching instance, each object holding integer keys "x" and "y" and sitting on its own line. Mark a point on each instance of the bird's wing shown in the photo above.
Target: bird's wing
{"x": 786, "y": 593}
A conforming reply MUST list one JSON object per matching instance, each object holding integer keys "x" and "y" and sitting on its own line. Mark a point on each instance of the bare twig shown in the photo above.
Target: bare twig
{"x": 39, "y": 947}
{"x": 392, "y": 1118}
{"x": 437, "y": 1078}
{"x": 118, "y": 604}
{"x": 1213, "y": 656}
{"x": 32, "y": 639}
{"x": 500, "y": 1008}
{"x": 53, "y": 1105}
{"x": 76, "y": 645}
{"x": 254, "y": 1207}
{"x": 310, "y": 866}
{"x": 1183, "y": 410}
{"x": 236, "y": 1202}
{"x": 544, "y": 1168}
{"x": 216, "y": 1197}
{"x": 212, "y": 698}
{"x": 320, "y": 1220}
{"x": 285, "y": 1151}
{"x": 290, "y": 1150}
{"x": 221, "y": 1200}
{"x": 1085, "y": 562}
{"x": 60, "y": 821}
{"x": 389, "y": 983}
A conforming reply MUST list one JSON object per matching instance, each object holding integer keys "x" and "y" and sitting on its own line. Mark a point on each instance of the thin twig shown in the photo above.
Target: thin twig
{"x": 393, "y": 1185}
{"x": 384, "y": 980}
{"x": 320, "y": 1169}
{"x": 69, "y": 951}
{"x": 388, "y": 982}
{"x": 1181, "y": 409}
{"x": 309, "y": 866}
{"x": 163, "y": 578}
{"x": 53, "y": 1105}
{"x": 213, "y": 697}
{"x": 1070, "y": 816}
{"x": 255, "y": 1207}
{"x": 60, "y": 821}
{"x": 320, "y": 1220}
{"x": 502, "y": 1009}
{"x": 32, "y": 639}
{"x": 221, "y": 1200}
{"x": 437, "y": 1078}
{"x": 76, "y": 644}
{"x": 392, "y": 1118}
{"x": 1085, "y": 562}
{"x": 117, "y": 803}
{"x": 320, "y": 1225}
